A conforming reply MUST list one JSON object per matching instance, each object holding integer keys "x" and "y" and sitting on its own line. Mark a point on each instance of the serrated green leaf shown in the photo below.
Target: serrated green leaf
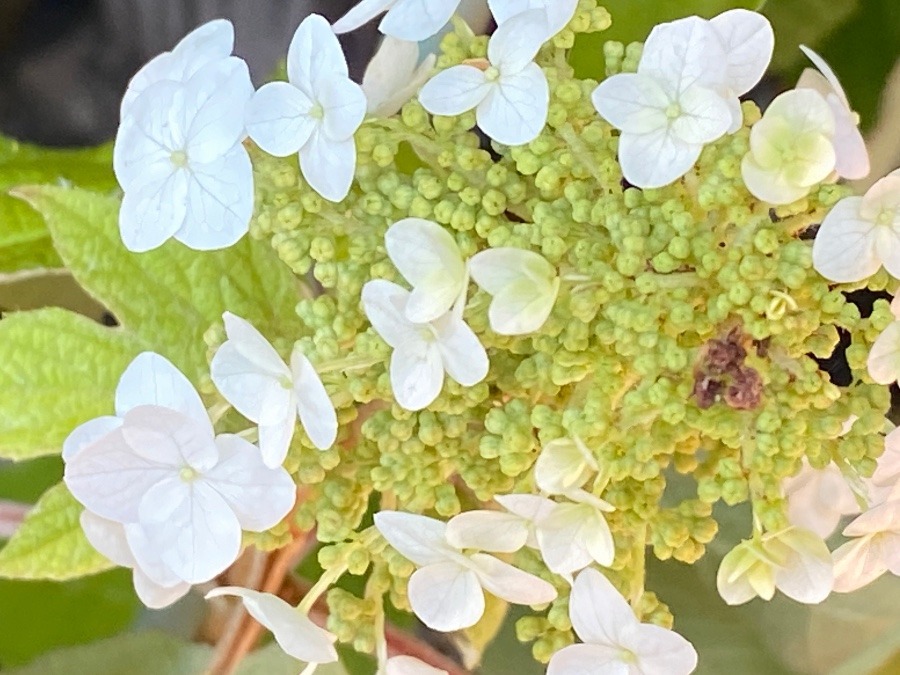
{"x": 24, "y": 239}
{"x": 172, "y": 295}
{"x": 50, "y": 543}
{"x": 57, "y": 370}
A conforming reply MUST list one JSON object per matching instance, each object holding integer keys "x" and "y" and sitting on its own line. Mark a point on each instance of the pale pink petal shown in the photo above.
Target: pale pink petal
{"x": 884, "y": 357}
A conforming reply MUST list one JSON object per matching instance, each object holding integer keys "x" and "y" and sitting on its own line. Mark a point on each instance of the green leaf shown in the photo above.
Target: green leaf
{"x": 172, "y": 295}
{"x": 57, "y": 370}
{"x": 50, "y": 544}
{"x": 24, "y": 239}
{"x": 270, "y": 660}
{"x": 807, "y": 22}
{"x": 27, "y": 481}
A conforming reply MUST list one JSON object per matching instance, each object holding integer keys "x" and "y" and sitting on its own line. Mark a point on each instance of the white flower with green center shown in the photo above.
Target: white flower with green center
{"x": 563, "y": 465}
{"x": 430, "y": 260}
{"x": 614, "y": 641}
{"x": 558, "y": 13}
{"x": 182, "y": 493}
{"x": 294, "y": 632}
{"x": 851, "y": 155}
{"x": 791, "y": 148}
{"x": 394, "y": 76}
{"x": 316, "y": 112}
{"x": 413, "y": 20}
{"x": 794, "y": 561}
{"x": 860, "y": 234}
{"x": 670, "y": 108}
{"x": 524, "y": 285}
{"x": 447, "y": 590}
{"x": 874, "y": 548}
{"x": 252, "y": 376}
{"x": 423, "y": 352}
{"x": 575, "y": 534}
{"x": 508, "y": 91}
{"x": 180, "y": 161}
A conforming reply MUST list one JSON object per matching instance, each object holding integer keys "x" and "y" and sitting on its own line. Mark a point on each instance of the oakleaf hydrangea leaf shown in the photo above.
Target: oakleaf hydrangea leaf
{"x": 50, "y": 543}
{"x": 57, "y": 370}
{"x": 24, "y": 240}
{"x": 172, "y": 295}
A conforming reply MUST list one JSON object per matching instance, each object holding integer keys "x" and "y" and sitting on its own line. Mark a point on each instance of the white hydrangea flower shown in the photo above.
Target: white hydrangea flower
{"x": 410, "y": 665}
{"x": 563, "y": 465}
{"x": 183, "y": 494}
{"x": 791, "y": 148}
{"x": 447, "y": 590}
{"x": 423, "y": 352}
{"x": 818, "y": 498}
{"x": 575, "y": 534}
{"x": 874, "y": 549}
{"x": 294, "y": 632}
{"x": 558, "y": 12}
{"x": 670, "y": 108}
{"x": 852, "y": 157}
{"x": 501, "y": 531}
{"x": 251, "y": 376}
{"x": 613, "y": 640}
{"x": 180, "y": 161}
{"x": 508, "y": 91}
{"x": 155, "y": 584}
{"x": 747, "y": 44}
{"x": 887, "y": 471}
{"x": 316, "y": 112}
{"x": 394, "y": 76}
{"x": 210, "y": 42}
{"x": 795, "y": 561}
{"x": 860, "y": 234}
{"x": 430, "y": 260}
{"x": 413, "y": 20}
{"x": 524, "y": 285}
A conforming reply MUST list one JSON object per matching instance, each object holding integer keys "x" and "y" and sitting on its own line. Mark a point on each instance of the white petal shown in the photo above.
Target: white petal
{"x": 110, "y": 479}
{"x": 151, "y": 379}
{"x": 749, "y": 41}
{"x": 149, "y": 559}
{"x": 169, "y": 439}
{"x": 683, "y": 53}
{"x": 562, "y": 465}
{"x": 884, "y": 357}
{"x": 852, "y": 157}
{"x": 588, "y": 660}
{"x": 314, "y": 53}
{"x": 858, "y": 563}
{"x": 196, "y": 532}
{"x": 496, "y": 268}
{"x": 153, "y": 211}
{"x": 514, "y": 112}
{"x": 446, "y": 596}
{"x": 360, "y": 14}
{"x": 463, "y": 355}
{"x": 573, "y": 536}
{"x": 328, "y": 165}
{"x": 278, "y": 118}
{"x": 417, "y": 20}
{"x": 510, "y": 583}
{"x": 429, "y": 258}
{"x": 737, "y": 113}
{"x": 317, "y": 413}
{"x": 220, "y": 202}
{"x": 417, "y": 374}
{"x": 844, "y": 248}
{"x": 631, "y": 102}
{"x": 108, "y": 537}
{"x": 419, "y": 538}
{"x": 154, "y": 595}
{"x": 294, "y": 632}
{"x": 384, "y": 303}
{"x": 884, "y": 517}
{"x": 663, "y": 652}
{"x": 259, "y": 496}
{"x": 516, "y": 42}
{"x": 809, "y": 575}
{"x": 215, "y": 100}
{"x": 87, "y": 433}
{"x": 392, "y": 77}
{"x": 768, "y": 186}
{"x": 705, "y": 116}
{"x": 344, "y": 105}
{"x": 522, "y": 307}
{"x": 672, "y": 158}
{"x": 454, "y": 91}
{"x": 488, "y": 531}
{"x": 827, "y": 73}
{"x": 275, "y": 436}
{"x": 528, "y": 507}
{"x": 598, "y": 611}
{"x": 410, "y": 665}
{"x": 805, "y": 110}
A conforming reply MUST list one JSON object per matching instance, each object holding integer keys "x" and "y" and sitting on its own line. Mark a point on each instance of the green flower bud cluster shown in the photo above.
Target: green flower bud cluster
{"x": 681, "y": 349}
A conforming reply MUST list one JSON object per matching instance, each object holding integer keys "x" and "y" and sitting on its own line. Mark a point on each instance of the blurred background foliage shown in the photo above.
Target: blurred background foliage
{"x": 96, "y": 625}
